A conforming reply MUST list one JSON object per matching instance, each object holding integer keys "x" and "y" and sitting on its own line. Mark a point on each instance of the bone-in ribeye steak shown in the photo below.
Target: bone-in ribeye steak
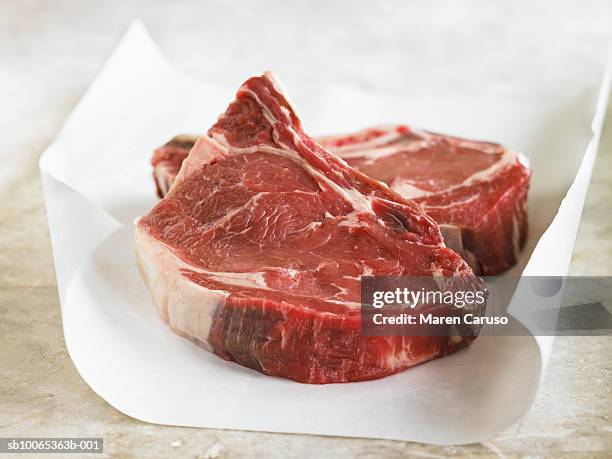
{"x": 476, "y": 191}
{"x": 256, "y": 251}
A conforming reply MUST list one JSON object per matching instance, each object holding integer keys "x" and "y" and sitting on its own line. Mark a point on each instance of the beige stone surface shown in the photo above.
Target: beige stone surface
{"x": 49, "y": 52}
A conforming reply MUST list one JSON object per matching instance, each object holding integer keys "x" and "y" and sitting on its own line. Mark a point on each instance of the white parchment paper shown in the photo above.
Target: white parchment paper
{"x": 97, "y": 179}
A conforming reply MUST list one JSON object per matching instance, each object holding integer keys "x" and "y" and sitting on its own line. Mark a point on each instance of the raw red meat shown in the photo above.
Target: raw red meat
{"x": 167, "y": 161}
{"x": 257, "y": 250}
{"x": 476, "y": 191}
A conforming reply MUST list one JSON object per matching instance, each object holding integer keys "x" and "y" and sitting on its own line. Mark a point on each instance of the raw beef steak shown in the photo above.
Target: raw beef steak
{"x": 476, "y": 191}
{"x": 256, "y": 252}
{"x": 167, "y": 161}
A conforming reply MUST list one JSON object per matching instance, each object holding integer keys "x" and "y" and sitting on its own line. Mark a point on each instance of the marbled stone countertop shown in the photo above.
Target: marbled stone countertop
{"x": 50, "y": 52}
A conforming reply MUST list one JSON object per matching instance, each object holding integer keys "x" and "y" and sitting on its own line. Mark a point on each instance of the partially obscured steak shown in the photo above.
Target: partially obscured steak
{"x": 256, "y": 252}
{"x": 476, "y": 191}
{"x": 167, "y": 161}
